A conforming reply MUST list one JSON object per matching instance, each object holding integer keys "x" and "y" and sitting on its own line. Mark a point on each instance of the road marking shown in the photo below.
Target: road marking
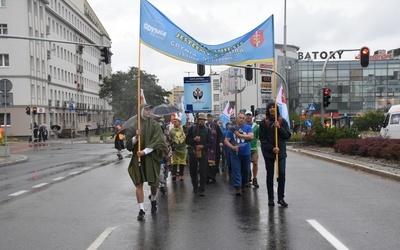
{"x": 58, "y": 178}
{"x": 328, "y": 236}
{"x": 18, "y": 193}
{"x": 86, "y": 168}
{"x": 101, "y": 238}
{"x": 73, "y": 173}
{"x": 40, "y": 185}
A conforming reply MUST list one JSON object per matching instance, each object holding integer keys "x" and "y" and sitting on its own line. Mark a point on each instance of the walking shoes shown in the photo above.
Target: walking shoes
{"x": 141, "y": 215}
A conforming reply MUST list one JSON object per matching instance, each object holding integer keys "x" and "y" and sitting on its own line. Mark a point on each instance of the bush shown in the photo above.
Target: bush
{"x": 327, "y": 137}
{"x": 388, "y": 149}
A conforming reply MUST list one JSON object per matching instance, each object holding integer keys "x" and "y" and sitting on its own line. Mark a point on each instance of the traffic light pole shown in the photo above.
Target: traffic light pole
{"x": 52, "y": 40}
{"x": 323, "y": 82}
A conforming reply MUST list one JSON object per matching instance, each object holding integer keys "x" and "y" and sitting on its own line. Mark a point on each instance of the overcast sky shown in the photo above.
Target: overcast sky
{"x": 312, "y": 25}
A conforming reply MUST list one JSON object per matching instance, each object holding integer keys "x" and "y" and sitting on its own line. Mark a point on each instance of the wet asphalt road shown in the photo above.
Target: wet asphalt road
{"x": 356, "y": 209}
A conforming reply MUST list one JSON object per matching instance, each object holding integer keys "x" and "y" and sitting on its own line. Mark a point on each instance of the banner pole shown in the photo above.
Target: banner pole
{"x": 138, "y": 95}
{"x": 275, "y": 128}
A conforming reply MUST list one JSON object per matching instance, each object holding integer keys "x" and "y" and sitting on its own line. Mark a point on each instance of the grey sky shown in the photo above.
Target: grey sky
{"x": 313, "y": 25}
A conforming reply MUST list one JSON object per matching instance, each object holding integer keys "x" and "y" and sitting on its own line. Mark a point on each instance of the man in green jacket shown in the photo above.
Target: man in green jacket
{"x": 253, "y": 146}
{"x": 145, "y": 163}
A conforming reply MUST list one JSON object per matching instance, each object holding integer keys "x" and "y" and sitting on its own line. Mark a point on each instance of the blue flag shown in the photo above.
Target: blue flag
{"x": 159, "y": 33}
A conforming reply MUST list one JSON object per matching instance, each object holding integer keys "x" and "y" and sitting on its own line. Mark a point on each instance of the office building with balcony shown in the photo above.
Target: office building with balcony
{"x": 52, "y": 65}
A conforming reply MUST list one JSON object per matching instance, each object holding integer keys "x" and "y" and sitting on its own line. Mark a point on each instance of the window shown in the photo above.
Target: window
{"x": 2, "y": 3}
{"x": 216, "y": 97}
{"x": 3, "y": 29}
{"x": 2, "y": 119}
{"x": 4, "y": 61}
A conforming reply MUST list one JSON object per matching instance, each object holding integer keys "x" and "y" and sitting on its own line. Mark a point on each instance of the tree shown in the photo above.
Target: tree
{"x": 120, "y": 91}
{"x": 371, "y": 120}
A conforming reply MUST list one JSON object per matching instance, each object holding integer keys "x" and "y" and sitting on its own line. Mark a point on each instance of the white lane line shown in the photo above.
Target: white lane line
{"x": 18, "y": 193}
{"x": 73, "y": 173}
{"x": 328, "y": 236}
{"x": 59, "y": 178}
{"x": 40, "y": 185}
{"x": 101, "y": 238}
{"x": 86, "y": 168}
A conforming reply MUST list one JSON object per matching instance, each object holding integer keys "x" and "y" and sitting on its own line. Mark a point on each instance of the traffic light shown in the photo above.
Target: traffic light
{"x": 364, "y": 56}
{"x": 201, "y": 69}
{"x": 248, "y": 73}
{"x": 326, "y": 96}
{"x": 28, "y": 110}
{"x": 34, "y": 110}
{"x": 105, "y": 53}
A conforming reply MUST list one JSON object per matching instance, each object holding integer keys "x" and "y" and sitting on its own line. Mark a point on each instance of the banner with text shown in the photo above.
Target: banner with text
{"x": 159, "y": 33}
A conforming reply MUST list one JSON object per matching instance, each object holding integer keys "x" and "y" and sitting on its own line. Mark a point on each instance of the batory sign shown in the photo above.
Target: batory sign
{"x": 161, "y": 34}
{"x": 315, "y": 55}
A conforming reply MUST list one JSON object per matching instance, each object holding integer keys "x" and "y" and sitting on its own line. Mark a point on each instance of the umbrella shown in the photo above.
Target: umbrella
{"x": 165, "y": 109}
{"x": 55, "y": 127}
{"x": 129, "y": 122}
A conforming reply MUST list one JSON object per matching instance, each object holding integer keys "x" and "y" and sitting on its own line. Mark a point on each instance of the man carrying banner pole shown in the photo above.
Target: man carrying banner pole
{"x": 145, "y": 163}
{"x": 273, "y": 134}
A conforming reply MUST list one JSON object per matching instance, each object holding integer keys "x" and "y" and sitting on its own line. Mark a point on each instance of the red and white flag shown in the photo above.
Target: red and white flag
{"x": 281, "y": 102}
{"x": 142, "y": 98}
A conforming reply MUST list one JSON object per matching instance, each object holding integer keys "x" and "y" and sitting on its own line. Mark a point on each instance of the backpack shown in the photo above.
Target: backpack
{"x": 280, "y": 120}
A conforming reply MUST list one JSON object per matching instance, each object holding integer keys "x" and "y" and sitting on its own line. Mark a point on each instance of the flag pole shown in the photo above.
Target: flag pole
{"x": 276, "y": 119}
{"x": 139, "y": 99}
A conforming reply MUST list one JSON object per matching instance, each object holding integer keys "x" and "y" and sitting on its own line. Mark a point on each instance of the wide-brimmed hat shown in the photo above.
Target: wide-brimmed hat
{"x": 202, "y": 116}
{"x": 146, "y": 105}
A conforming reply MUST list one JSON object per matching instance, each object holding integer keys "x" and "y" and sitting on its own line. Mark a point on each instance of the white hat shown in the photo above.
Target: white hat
{"x": 248, "y": 112}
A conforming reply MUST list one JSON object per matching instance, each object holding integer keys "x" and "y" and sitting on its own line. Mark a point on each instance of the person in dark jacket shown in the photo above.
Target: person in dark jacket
{"x": 199, "y": 140}
{"x": 269, "y": 151}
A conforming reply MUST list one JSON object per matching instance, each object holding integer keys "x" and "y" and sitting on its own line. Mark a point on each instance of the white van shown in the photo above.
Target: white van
{"x": 391, "y": 125}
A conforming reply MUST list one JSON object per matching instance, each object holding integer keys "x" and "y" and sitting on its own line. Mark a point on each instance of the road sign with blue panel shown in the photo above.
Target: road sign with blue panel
{"x": 312, "y": 107}
{"x": 308, "y": 123}
{"x": 71, "y": 106}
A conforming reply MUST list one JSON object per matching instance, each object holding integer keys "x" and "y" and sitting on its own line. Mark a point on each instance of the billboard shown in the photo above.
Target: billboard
{"x": 197, "y": 94}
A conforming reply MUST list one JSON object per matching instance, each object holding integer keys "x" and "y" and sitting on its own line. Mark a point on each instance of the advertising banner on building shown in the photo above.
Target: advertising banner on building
{"x": 197, "y": 94}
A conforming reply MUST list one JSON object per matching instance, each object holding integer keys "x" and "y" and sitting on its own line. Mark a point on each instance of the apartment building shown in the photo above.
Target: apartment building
{"x": 54, "y": 64}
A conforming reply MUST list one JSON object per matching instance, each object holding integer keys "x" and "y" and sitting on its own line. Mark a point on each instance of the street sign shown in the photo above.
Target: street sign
{"x": 265, "y": 91}
{"x": 308, "y": 123}
{"x": 312, "y": 107}
{"x": 5, "y": 85}
{"x": 71, "y": 106}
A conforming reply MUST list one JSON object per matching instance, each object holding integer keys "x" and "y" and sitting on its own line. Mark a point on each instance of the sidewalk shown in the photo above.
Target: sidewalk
{"x": 17, "y": 148}
{"x": 366, "y": 164}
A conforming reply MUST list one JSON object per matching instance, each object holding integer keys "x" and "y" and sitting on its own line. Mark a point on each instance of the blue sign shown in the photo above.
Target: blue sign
{"x": 308, "y": 123}
{"x": 158, "y": 32}
{"x": 312, "y": 106}
{"x": 197, "y": 94}
{"x": 71, "y": 106}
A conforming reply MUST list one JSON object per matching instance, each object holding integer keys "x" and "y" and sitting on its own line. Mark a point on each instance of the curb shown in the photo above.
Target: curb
{"x": 17, "y": 159}
{"x": 352, "y": 165}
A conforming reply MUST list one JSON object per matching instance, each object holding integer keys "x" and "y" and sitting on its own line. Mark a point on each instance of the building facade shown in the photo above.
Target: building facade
{"x": 244, "y": 94}
{"x": 60, "y": 79}
{"x": 354, "y": 90}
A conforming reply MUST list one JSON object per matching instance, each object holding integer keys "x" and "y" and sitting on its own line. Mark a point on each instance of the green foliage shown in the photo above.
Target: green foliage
{"x": 121, "y": 92}
{"x": 371, "y": 120}
{"x": 327, "y": 137}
